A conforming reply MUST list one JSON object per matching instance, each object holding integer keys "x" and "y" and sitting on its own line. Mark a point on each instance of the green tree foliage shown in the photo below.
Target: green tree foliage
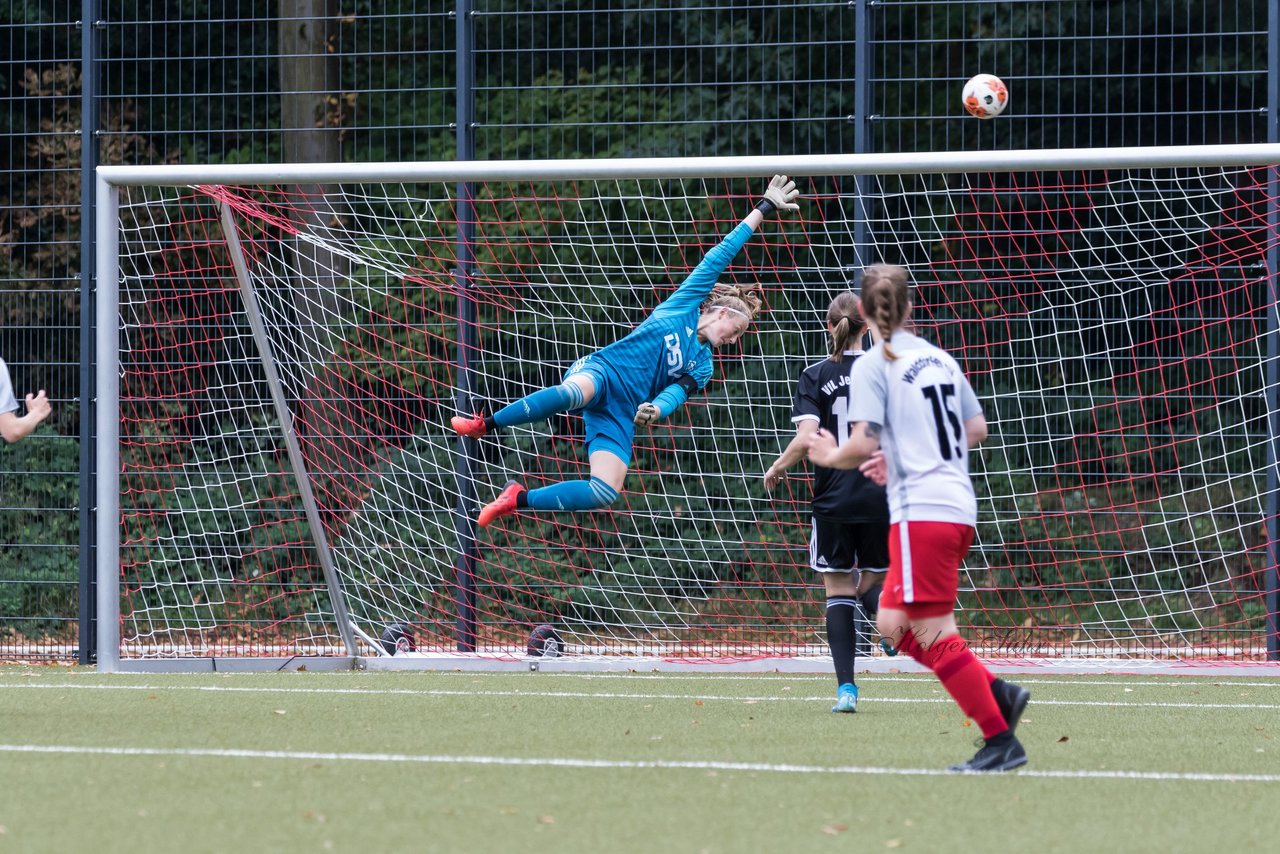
{"x": 39, "y": 578}
{"x": 1083, "y": 73}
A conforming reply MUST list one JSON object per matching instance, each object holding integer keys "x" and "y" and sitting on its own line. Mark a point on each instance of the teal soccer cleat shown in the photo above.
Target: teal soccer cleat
{"x": 846, "y": 699}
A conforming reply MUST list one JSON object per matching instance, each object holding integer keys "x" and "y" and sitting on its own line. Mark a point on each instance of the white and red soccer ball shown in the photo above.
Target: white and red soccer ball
{"x": 985, "y": 96}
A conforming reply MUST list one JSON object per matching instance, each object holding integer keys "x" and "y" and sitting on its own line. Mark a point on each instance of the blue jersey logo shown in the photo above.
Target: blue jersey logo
{"x": 675, "y": 358}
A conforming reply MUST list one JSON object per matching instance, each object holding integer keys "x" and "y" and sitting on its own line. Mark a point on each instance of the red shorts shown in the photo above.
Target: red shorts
{"x": 924, "y": 564}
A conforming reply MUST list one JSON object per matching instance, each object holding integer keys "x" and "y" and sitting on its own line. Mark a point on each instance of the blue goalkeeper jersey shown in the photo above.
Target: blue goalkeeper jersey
{"x": 665, "y": 347}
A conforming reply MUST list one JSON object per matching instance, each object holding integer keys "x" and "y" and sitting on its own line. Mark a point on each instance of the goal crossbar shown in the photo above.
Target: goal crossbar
{"x": 1056, "y": 159}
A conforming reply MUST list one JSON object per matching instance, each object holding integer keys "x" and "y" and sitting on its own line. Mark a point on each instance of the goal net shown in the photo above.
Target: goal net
{"x": 280, "y": 359}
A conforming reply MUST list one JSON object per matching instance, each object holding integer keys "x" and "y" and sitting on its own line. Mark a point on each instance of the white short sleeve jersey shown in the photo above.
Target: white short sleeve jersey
{"x": 8, "y": 400}
{"x": 921, "y": 401}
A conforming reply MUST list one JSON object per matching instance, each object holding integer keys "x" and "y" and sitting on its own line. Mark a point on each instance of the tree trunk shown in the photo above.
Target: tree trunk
{"x": 310, "y": 129}
{"x": 311, "y": 133}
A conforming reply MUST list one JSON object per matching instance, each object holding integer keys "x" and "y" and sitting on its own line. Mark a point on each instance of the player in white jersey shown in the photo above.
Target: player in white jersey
{"x": 912, "y": 405}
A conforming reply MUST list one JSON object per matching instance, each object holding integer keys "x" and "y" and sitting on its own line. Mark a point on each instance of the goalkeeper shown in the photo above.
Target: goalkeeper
{"x": 639, "y": 380}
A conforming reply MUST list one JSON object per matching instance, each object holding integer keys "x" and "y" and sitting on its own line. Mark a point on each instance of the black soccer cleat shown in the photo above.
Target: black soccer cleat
{"x": 1011, "y": 699}
{"x": 1001, "y": 753}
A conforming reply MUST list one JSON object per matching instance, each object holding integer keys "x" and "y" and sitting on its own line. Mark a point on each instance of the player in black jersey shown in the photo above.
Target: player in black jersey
{"x": 849, "y": 544}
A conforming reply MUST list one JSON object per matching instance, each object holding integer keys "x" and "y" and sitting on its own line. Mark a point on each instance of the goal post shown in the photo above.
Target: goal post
{"x": 280, "y": 349}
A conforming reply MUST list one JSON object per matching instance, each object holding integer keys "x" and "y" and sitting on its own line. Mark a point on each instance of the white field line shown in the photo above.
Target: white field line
{"x": 1179, "y": 681}
{"x": 593, "y": 695}
{"x": 1182, "y": 680}
{"x": 616, "y": 764}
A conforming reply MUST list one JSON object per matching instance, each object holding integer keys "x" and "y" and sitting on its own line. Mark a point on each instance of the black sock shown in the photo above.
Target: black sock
{"x": 840, "y": 636}
{"x": 871, "y": 601}
{"x": 522, "y": 498}
{"x": 489, "y": 424}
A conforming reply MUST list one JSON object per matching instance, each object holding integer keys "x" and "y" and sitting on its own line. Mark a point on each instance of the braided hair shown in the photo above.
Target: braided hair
{"x": 885, "y": 300}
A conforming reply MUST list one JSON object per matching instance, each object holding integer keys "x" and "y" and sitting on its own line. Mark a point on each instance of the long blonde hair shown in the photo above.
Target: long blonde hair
{"x": 744, "y": 299}
{"x": 844, "y": 323}
{"x": 886, "y": 300}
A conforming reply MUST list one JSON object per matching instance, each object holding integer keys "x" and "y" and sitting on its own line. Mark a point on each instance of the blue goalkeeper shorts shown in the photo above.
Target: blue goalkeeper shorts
{"x": 609, "y": 420}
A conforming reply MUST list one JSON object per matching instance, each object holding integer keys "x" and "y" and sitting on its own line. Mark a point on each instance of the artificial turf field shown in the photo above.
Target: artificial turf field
{"x": 516, "y": 762}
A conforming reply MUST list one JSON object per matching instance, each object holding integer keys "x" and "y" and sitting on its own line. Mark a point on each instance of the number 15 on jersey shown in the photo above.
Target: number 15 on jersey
{"x": 946, "y": 419}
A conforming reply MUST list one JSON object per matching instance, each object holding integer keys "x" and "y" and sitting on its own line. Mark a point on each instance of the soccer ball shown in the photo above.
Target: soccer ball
{"x": 985, "y": 96}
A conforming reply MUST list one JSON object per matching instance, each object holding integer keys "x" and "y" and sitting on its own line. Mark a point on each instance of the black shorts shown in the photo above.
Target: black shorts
{"x": 849, "y": 546}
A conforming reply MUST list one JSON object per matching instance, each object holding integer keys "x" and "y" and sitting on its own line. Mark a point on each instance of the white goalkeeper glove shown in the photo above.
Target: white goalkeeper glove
{"x": 647, "y": 414}
{"x": 780, "y": 195}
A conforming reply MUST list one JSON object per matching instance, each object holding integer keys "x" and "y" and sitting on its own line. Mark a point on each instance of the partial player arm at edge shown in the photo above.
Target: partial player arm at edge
{"x": 14, "y": 428}
{"x": 793, "y": 453}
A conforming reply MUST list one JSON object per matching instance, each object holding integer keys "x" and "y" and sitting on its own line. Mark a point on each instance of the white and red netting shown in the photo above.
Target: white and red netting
{"x": 1113, "y": 324}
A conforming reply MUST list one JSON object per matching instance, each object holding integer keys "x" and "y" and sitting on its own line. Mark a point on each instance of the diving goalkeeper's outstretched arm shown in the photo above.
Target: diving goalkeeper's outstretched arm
{"x": 719, "y": 312}
{"x": 780, "y": 195}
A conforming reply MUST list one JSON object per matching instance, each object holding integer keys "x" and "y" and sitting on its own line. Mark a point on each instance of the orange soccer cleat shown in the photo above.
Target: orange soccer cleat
{"x": 504, "y": 505}
{"x": 473, "y": 427}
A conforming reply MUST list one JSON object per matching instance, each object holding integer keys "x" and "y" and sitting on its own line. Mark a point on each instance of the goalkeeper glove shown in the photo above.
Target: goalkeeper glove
{"x": 780, "y": 195}
{"x": 666, "y": 402}
{"x": 647, "y": 414}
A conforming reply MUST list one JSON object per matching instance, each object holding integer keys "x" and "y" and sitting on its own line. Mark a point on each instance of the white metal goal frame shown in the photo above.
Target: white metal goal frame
{"x": 357, "y": 649}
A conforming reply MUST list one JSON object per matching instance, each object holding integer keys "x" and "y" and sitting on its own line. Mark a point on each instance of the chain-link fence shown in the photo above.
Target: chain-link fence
{"x": 241, "y": 81}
